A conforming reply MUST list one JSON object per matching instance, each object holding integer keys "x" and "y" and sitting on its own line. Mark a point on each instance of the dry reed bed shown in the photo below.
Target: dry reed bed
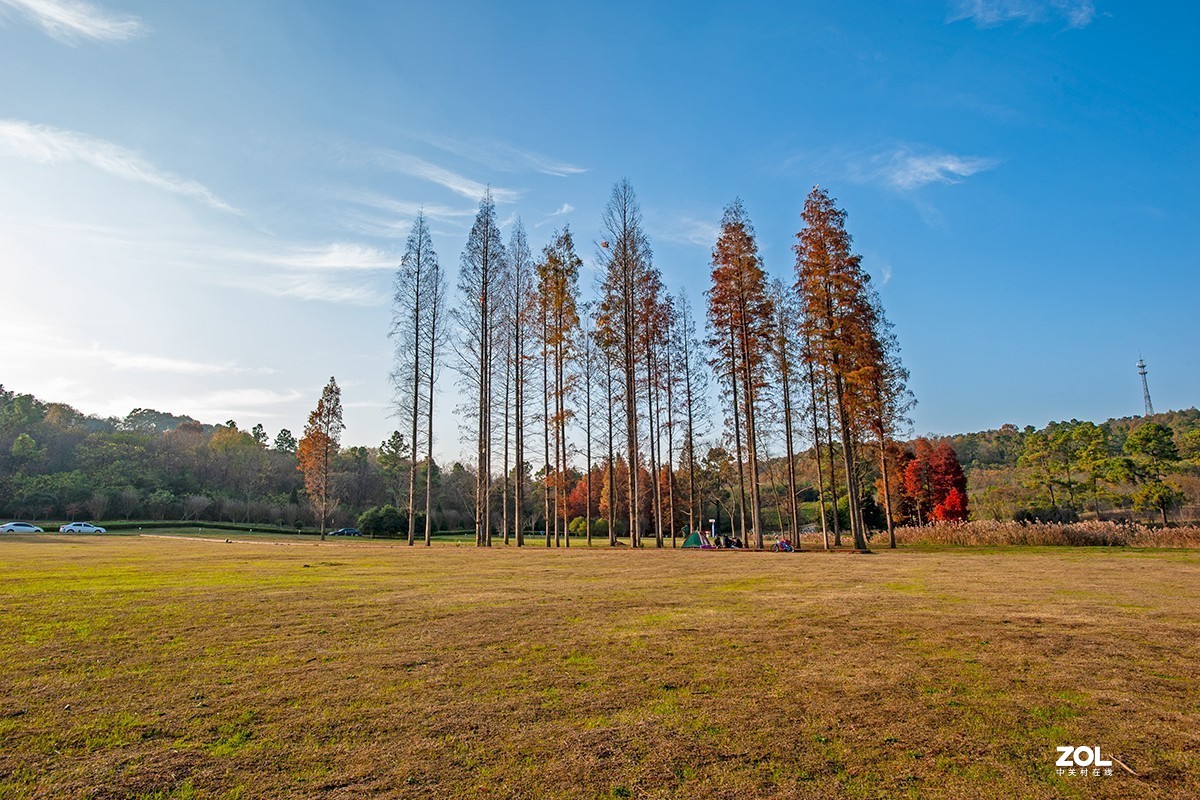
{"x": 1075, "y": 534}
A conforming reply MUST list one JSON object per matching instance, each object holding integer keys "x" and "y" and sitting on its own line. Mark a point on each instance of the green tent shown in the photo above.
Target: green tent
{"x": 695, "y": 540}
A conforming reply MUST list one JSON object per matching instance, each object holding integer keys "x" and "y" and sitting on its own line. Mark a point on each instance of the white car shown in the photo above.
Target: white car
{"x": 81, "y": 527}
{"x": 20, "y": 527}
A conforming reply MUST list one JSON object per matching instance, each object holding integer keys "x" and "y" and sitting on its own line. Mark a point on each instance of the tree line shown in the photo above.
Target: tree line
{"x": 614, "y": 411}
{"x": 622, "y": 380}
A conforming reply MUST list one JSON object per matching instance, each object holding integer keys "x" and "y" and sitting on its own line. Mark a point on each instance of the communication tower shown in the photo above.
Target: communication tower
{"x": 1145, "y": 386}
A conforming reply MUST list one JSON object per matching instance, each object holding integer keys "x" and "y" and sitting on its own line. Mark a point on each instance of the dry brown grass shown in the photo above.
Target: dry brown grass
{"x": 1076, "y": 534}
{"x": 135, "y": 667}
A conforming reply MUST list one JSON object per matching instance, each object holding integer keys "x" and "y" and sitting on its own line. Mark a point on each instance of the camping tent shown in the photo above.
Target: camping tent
{"x": 698, "y": 540}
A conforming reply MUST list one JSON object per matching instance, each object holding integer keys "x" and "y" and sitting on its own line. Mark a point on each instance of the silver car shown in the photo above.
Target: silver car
{"x": 20, "y": 527}
{"x": 81, "y": 527}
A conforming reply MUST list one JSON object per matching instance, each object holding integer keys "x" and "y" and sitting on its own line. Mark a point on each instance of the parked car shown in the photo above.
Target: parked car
{"x": 81, "y": 527}
{"x": 346, "y": 532}
{"x": 20, "y": 527}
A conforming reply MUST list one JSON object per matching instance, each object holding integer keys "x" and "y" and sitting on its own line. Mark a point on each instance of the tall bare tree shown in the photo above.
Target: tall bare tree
{"x": 558, "y": 290}
{"x": 436, "y": 337}
{"x": 413, "y": 288}
{"x": 479, "y": 278}
{"x": 887, "y": 399}
{"x": 625, "y": 257}
{"x": 693, "y": 390}
{"x": 524, "y": 315}
{"x": 785, "y": 356}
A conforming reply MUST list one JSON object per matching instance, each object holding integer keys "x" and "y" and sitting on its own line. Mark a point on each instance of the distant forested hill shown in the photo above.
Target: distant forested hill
{"x": 1073, "y": 468}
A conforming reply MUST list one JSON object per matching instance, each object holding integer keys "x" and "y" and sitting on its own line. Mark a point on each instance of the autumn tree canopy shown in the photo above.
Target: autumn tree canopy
{"x": 317, "y": 449}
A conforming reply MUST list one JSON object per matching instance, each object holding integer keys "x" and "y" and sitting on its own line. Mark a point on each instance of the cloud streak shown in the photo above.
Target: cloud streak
{"x": 72, "y": 20}
{"x": 992, "y": 13}
{"x": 408, "y": 164}
{"x": 46, "y": 145}
{"x": 500, "y": 156}
{"x": 337, "y": 257}
{"x": 379, "y": 215}
{"x": 43, "y": 343}
{"x": 687, "y": 229}
{"x": 906, "y": 169}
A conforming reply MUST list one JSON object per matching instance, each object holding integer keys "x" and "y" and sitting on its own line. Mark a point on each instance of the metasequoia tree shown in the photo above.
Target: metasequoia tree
{"x": 887, "y": 401}
{"x": 838, "y": 324}
{"x": 652, "y": 334}
{"x": 740, "y": 322}
{"x": 523, "y": 309}
{"x": 316, "y": 450}
{"x": 558, "y": 292}
{"x": 590, "y": 378}
{"x": 668, "y": 360}
{"x": 436, "y": 336}
{"x": 625, "y": 259}
{"x": 481, "y": 270}
{"x": 785, "y": 352}
{"x": 692, "y": 368}
{"x": 412, "y": 298}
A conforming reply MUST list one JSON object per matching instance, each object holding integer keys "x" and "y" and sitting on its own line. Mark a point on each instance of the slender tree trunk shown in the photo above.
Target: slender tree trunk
{"x": 587, "y": 400}
{"x": 670, "y": 451}
{"x": 631, "y": 442}
{"x": 546, "y": 418}
{"x": 837, "y": 523}
{"x": 560, "y": 440}
{"x": 416, "y": 403}
{"x": 433, "y": 323}
{"x": 519, "y": 444}
{"x": 752, "y": 456}
{"x": 887, "y": 492}
{"x": 812, "y": 393}
{"x": 856, "y": 531}
{"x": 612, "y": 471}
{"x": 737, "y": 438}
{"x": 785, "y": 379}
{"x": 508, "y": 356}
{"x": 652, "y": 424}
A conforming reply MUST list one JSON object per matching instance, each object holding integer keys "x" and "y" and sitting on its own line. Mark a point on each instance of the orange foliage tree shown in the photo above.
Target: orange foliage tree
{"x": 315, "y": 453}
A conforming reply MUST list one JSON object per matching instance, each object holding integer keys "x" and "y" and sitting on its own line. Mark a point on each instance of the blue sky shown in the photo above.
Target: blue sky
{"x": 201, "y": 204}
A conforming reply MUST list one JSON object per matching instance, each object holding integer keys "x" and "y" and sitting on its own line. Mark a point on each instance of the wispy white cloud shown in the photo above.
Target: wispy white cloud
{"x": 990, "y": 13}
{"x": 46, "y": 145}
{"x": 310, "y": 272}
{"x": 375, "y": 214}
{"x": 905, "y": 168}
{"x": 308, "y": 286}
{"x": 336, "y": 256}
{"x": 147, "y": 362}
{"x": 409, "y": 164}
{"x": 72, "y": 20}
{"x": 407, "y": 208}
{"x": 563, "y": 210}
{"x": 687, "y": 229}
{"x": 501, "y": 156}
{"x": 43, "y": 343}
{"x": 335, "y": 272}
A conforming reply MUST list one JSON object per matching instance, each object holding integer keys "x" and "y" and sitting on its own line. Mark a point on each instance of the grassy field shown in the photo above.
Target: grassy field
{"x": 176, "y": 668}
